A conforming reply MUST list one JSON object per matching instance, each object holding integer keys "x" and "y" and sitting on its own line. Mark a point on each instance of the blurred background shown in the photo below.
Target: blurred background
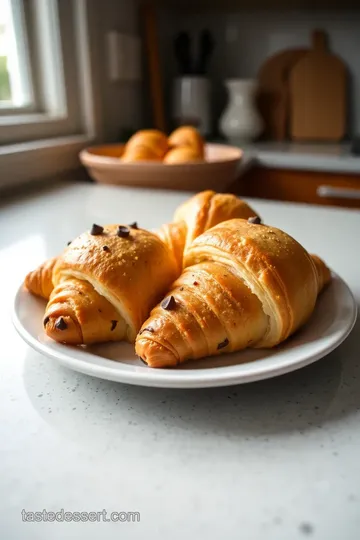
{"x": 279, "y": 79}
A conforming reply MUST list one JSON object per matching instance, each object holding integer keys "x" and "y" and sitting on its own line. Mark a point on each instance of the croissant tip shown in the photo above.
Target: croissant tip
{"x": 62, "y": 329}
{"x": 154, "y": 354}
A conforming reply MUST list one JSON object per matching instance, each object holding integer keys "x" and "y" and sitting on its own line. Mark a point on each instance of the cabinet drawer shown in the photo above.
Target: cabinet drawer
{"x": 300, "y": 186}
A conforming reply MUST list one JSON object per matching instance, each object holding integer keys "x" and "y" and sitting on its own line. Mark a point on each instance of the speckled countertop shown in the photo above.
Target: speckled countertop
{"x": 276, "y": 460}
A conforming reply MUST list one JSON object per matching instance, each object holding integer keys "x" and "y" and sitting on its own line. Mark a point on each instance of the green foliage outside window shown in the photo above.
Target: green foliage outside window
{"x": 5, "y": 93}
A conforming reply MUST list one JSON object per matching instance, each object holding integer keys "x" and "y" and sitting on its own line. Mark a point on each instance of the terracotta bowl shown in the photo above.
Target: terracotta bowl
{"x": 217, "y": 171}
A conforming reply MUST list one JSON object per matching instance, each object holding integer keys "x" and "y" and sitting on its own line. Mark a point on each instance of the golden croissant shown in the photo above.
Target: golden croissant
{"x": 243, "y": 285}
{"x": 197, "y": 215}
{"x": 105, "y": 284}
{"x": 187, "y": 137}
{"x": 183, "y": 154}
{"x": 147, "y": 144}
{"x": 39, "y": 281}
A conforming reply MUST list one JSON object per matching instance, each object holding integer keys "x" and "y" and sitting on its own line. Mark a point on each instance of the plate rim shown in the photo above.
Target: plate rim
{"x": 164, "y": 378}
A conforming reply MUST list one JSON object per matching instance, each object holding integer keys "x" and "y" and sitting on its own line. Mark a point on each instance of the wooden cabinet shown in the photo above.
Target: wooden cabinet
{"x": 300, "y": 186}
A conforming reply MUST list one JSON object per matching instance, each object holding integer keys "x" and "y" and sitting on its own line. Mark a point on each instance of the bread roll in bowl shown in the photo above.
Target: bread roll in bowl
{"x": 187, "y": 136}
{"x": 151, "y": 139}
{"x": 182, "y": 155}
{"x": 140, "y": 153}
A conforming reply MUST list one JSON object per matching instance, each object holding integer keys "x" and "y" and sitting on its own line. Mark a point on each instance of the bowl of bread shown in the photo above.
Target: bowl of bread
{"x": 150, "y": 158}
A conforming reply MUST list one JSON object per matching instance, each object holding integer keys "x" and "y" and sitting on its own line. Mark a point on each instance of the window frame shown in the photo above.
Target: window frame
{"x": 56, "y": 109}
{"x": 37, "y": 159}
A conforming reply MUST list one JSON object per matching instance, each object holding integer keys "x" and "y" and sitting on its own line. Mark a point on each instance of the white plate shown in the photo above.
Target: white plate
{"x": 330, "y": 324}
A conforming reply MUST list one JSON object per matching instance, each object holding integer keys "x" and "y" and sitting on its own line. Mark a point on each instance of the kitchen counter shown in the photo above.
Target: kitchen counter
{"x": 274, "y": 460}
{"x": 333, "y": 158}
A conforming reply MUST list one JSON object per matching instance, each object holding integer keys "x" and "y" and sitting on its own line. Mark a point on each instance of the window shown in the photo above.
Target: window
{"x": 16, "y": 92}
{"x": 45, "y": 79}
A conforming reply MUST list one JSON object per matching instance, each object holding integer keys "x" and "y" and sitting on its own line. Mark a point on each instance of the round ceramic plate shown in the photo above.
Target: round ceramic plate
{"x": 330, "y": 324}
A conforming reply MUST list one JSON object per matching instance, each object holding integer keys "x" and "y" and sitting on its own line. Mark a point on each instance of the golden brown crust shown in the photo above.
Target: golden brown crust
{"x": 209, "y": 309}
{"x": 270, "y": 260}
{"x": 187, "y": 136}
{"x": 77, "y": 314}
{"x": 39, "y": 281}
{"x": 184, "y": 154}
{"x": 131, "y": 271}
{"x": 140, "y": 153}
{"x": 197, "y": 215}
{"x": 147, "y": 142}
{"x": 323, "y": 272}
{"x": 174, "y": 236}
{"x": 244, "y": 285}
{"x": 207, "y": 209}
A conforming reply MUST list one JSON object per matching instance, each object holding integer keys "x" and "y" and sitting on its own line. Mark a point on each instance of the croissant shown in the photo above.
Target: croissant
{"x": 39, "y": 281}
{"x": 105, "y": 284}
{"x": 244, "y": 285}
{"x": 151, "y": 142}
{"x": 197, "y": 215}
{"x": 183, "y": 154}
{"x": 187, "y": 136}
{"x": 140, "y": 153}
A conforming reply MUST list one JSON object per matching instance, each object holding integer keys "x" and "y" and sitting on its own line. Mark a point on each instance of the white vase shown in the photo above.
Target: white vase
{"x": 241, "y": 120}
{"x": 191, "y": 103}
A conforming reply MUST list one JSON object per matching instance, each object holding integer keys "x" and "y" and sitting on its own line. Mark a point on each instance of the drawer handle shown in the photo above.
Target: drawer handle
{"x": 338, "y": 192}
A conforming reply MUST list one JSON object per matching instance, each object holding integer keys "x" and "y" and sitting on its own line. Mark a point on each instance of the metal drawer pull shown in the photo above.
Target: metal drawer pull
{"x": 338, "y": 192}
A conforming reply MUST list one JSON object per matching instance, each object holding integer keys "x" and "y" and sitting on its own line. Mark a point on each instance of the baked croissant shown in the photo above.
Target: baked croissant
{"x": 244, "y": 285}
{"x": 105, "y": 284}
{"x": 187, "y": 136}
{"x": 146, "y": 144}
{"x": 140, "y": 153}
{"x": 183, "y": 154}
{"x": 197, "y": 215}
{"x": 39, "y": 281}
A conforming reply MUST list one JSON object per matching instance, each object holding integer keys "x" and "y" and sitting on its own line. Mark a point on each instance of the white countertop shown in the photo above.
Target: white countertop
{"x": 335, "y": 158}
{"x": 276, "y": 460}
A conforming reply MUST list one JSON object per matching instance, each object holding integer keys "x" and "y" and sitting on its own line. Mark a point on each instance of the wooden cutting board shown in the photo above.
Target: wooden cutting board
{"x": 273, "y": 97}
{"x": 318, "y": 94}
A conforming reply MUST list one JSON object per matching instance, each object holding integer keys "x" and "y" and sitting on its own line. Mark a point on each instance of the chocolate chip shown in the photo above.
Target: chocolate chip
{"x": 168, "y": 303}
{"x": 223, "y": 344}
{"x": 181, "y": 288}
{"x": 96, "y": 229}
{"x": 133, "y": 225}
{"x": 61, "y": 324}
{"x": 106, "y": 248}
{"x": 147, "y": 329}
{"x": 46, "y": 320}
{"x": 196, "y": 283}
{"x": 255, "y": 220}
{"x": 68, "y": 244}
{"x": 143, "y": 361}
{"x": 123, "y": 231}
{"x": 113, "y": 325}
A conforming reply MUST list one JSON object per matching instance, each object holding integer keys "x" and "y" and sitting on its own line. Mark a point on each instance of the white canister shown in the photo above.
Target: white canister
{"x": 241, "y": 120}
{"x": 191, "y": 104}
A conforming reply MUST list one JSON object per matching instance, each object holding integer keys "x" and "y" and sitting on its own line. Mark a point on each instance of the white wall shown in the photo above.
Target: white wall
{"x": 119, "y": 103}
{"x": 245, "y": 38}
